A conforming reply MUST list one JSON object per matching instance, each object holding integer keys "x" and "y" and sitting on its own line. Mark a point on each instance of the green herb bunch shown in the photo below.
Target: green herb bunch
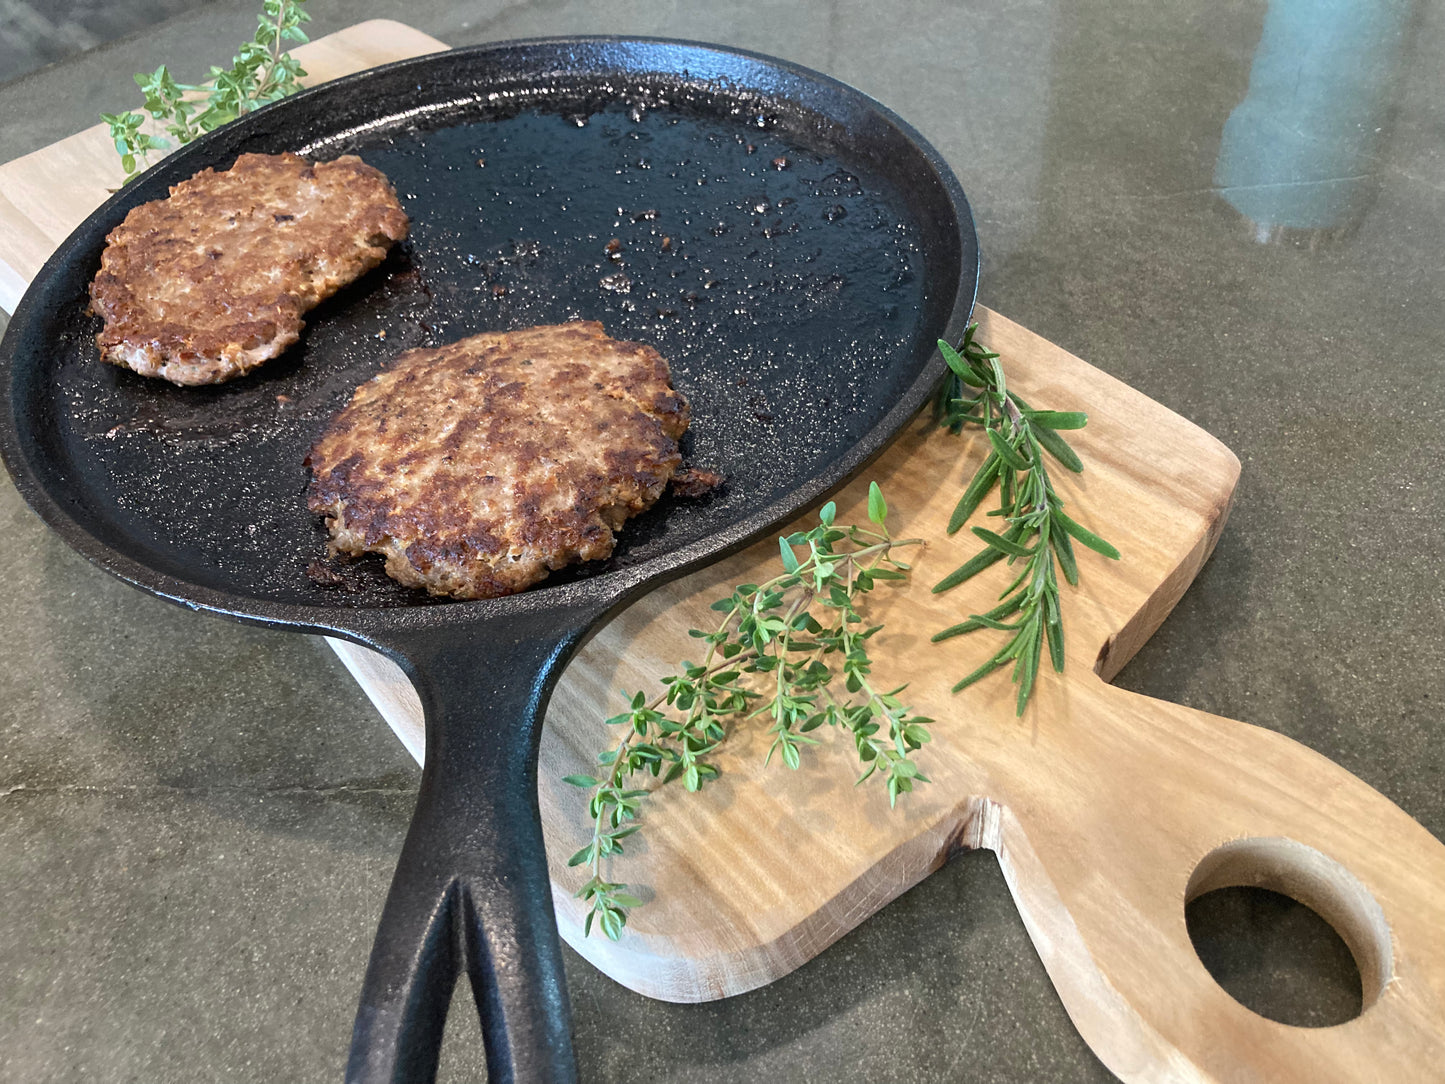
{"x": 261, "y": 72}
{"x": 1035, "y": 530}
{"x": 772, "y": 654}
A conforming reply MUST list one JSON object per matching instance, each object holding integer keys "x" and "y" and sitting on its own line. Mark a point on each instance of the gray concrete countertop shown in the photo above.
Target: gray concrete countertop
{"x": 198, "y": 820}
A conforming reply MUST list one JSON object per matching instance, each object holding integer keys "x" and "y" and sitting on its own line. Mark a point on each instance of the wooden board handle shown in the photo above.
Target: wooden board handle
{"x": 1164, "y": 803}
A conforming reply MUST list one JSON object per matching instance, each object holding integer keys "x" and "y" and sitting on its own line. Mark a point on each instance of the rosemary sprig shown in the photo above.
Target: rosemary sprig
{"x": 1036, "y": 529}
{"x": 768, "y": 656}
{"x": 261, "y": 72}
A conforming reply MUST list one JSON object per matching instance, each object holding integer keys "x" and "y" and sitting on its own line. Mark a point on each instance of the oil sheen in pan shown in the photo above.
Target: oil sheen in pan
{"x": 779, "y": 282}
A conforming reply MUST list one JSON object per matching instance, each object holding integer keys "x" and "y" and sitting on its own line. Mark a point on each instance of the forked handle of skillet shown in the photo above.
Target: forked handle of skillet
{"x": 471, "y": 890}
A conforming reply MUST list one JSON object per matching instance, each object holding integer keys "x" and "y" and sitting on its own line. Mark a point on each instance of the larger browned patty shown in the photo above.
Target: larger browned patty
{"x": 477, "y": 467}
{"x": 209, "y": 283}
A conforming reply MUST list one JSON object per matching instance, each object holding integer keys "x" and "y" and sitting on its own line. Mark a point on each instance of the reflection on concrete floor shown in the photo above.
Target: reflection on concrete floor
{"x": 1299, "y": 153}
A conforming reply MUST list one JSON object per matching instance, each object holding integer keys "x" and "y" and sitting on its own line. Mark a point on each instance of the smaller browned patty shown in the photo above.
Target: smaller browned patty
{"x": 477, "y": 467}
{"x": 207, "y": 284}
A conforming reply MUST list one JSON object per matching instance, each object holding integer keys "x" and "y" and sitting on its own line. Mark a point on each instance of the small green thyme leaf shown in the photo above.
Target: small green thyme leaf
{"x": 790, "y": 559}
{"x": 261, "y": 72}
{"x": 877, "y": 506}
{"x": 791, "y": 651}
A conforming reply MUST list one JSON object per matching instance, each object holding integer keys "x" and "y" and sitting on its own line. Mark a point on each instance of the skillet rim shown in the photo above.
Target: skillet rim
{"x": 595, "y": 596}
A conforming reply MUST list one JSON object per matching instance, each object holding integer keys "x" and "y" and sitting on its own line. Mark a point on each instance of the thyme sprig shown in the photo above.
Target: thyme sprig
{"x": 1036, "y": 530}
{"x": 261, "y": 72}
{"x": 769, "y": 656}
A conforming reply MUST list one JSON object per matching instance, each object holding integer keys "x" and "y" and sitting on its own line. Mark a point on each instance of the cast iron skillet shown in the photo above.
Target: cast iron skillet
{"x": 790, "y": 245}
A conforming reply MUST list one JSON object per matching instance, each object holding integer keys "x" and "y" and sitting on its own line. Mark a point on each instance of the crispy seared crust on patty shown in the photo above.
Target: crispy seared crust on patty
{"x": 209, "y": 283}
{"x": 477, "y": 467}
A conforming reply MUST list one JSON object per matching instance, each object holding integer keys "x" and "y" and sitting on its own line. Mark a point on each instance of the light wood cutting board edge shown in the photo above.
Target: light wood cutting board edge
{"x": 1241, "y": 805}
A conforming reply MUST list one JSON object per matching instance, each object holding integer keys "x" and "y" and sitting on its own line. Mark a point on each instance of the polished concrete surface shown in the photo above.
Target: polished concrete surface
{"x": 198, "y": 820}
{"x": 34, "y": 33}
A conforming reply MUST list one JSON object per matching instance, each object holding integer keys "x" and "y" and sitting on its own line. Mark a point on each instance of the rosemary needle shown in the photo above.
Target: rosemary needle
{"x": 1034, "y": 529}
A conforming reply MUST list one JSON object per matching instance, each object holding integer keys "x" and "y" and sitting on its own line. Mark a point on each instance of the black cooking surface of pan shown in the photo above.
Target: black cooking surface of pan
{"x": 793, "y": 250}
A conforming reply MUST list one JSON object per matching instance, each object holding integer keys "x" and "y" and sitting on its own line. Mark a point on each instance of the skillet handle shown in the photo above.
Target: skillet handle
{"x": 471, "y": 889}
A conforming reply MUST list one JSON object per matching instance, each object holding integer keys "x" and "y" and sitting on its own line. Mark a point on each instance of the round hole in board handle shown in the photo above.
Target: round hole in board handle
{"x": 1320, "y": 883}
{"x": 1275, "y": 956}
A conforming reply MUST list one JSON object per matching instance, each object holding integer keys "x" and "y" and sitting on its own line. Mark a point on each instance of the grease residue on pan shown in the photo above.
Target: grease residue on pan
{"x": 783, "y": 282}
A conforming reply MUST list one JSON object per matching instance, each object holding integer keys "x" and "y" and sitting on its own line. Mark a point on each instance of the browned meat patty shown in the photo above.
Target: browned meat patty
{"x": 209, "y": 283}
{"x": 476, "y": 468}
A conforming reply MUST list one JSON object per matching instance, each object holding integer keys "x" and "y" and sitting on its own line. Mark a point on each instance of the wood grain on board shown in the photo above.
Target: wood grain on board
{"x": 1107, "y": 810}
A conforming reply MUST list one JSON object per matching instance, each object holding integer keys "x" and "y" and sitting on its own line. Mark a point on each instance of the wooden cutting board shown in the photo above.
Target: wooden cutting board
{"x": 1108, "y": 810}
